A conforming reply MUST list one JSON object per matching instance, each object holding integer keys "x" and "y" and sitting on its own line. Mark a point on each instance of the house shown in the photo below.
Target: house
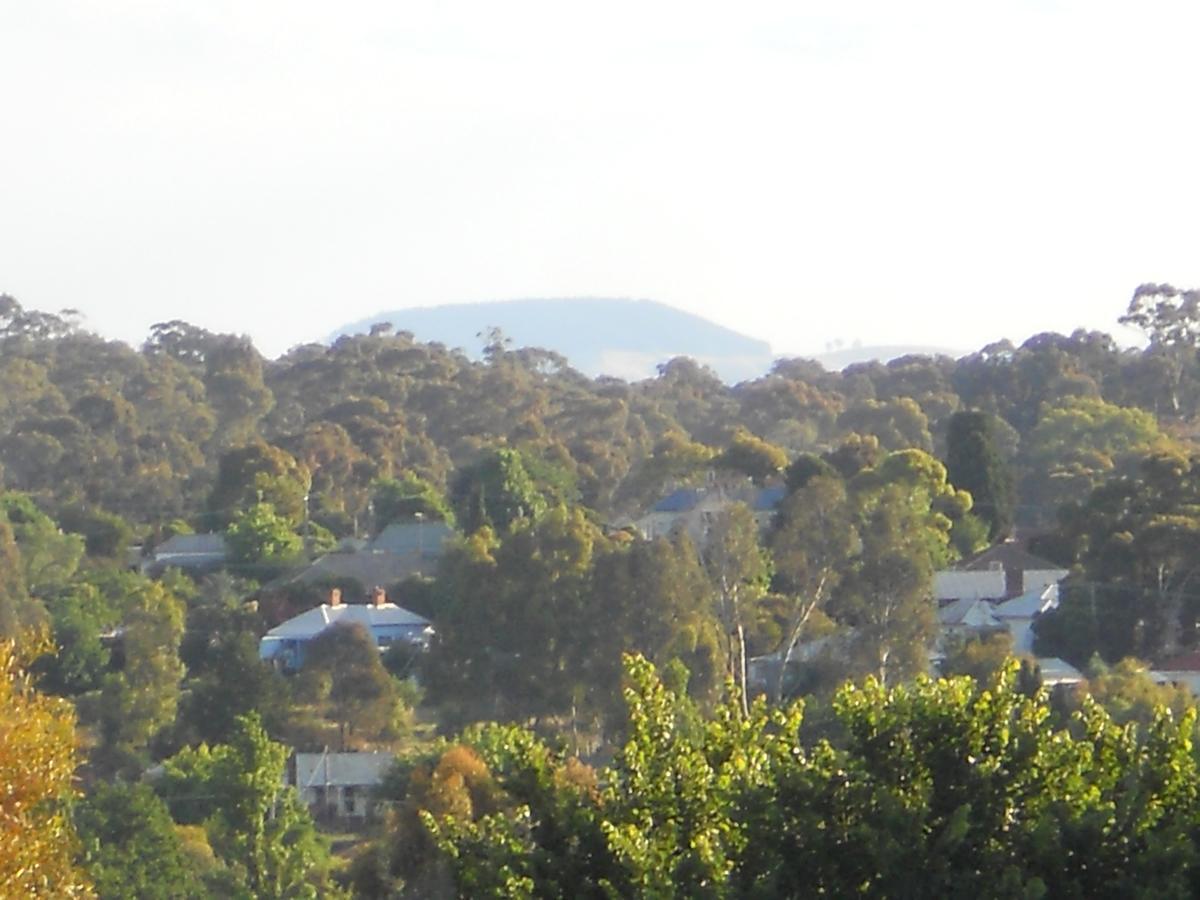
{"x": 766, "y": 503}
{"x": 193, "y": 553}
{"x": 1019, "y": 613}
{"x": 952, "y": 585}
{"x": 965, "y": 617}
{"x": 694, "y": 509}
{"x": 400, "y": 551}
{"x": 974, "y": 616}
{"x": 1055, "y": 672}
{"x": 385, "y": 622}
{"x": 339, "y": 785}
{"x": 416, "y": 538}
{"x": 1182, "y": 669}
{"x": 1023, "y": 571}
{"x": 365, "y": 568}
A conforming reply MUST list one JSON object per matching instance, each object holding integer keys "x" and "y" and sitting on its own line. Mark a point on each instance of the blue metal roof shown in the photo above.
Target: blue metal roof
{"x": 680, "y": 501}
{"x": 769, "y": 498}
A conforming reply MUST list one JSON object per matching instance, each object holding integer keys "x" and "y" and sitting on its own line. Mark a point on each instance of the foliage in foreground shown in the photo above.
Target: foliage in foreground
{"x": 37, "y": 760}
{"x": 934, "y": 788}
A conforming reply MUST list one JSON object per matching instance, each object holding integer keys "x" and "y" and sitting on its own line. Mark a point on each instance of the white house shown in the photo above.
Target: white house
{"x": 385, "y": 622}
{"x": 952, "y": 585}
{"x": 339, "y": 785}
{"x": 1018, "y": 614}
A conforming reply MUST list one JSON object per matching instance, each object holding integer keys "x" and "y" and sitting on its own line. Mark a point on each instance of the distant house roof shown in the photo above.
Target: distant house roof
{"x": 192, "y": 545}
{"x": 1184, "y": 662}
{"x": 190, "y": 552}
{"x": 679, "y": 501}
{"x": 1008, "y": 555}
{"x": 1029, "y": 604}
{"x": 769, "y": 498}
{"x": 1015, "y": 561}
{"x": 1055, "y": 671}
{"x": 367, "y": 568}
{"x": 341, "y": 769}
{"x": 312, "y": 622}
{"x": 424, "y": 538}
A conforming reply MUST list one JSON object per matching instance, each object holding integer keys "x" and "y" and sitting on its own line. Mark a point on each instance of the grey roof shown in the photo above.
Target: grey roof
{"x": 210, "y": 544}
{"x": 341, "y": 769}
{"x": 1029, "y": 604}
{"x": 425, "y": 538}
{"x": 312, "y": 622}
{"x": 975, "y": 613}
{"x": 1056, "y": 671}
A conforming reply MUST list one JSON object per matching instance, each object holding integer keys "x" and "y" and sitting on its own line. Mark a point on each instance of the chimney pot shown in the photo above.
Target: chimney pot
{"x": 335, "y": 597}
{"x": 379, "y": 596}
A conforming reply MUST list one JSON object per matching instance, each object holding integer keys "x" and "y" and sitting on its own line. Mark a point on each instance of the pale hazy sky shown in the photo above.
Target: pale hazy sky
{"x": 940, "y": 173}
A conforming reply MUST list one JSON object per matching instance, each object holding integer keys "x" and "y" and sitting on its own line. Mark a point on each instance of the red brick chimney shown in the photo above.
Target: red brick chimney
{"x": 378, "y": 596}
{"x": 335, "y": 596}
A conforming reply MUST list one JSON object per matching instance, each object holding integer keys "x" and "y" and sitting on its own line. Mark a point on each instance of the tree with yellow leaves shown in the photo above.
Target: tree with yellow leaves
{"x": 37, "y": 760}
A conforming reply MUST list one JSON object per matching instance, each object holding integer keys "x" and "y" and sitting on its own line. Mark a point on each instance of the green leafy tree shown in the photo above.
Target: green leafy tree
{"x": 1136, "y": 540}
{"x": 495, "y": 491}
{"x": 934, "y": 788}
{"x": 512, "y": 642}
{"x": 653, "y": 598}
{"x": 344, "y": 675}
{"x": 1170, "y": 318}
{"x": 1078, "y": 444}
{"x": 739, "y": 572}
{"x": 49, "y": 557}
{"x": 259, "y": 534}
{"x": 105, "y": 534}
{"x": 259, "y": 473}
{"x": 256, "y": 824}
{"x": 752, "y": 456}
{"x": 18, "y": 610}
{"x": 887, "y": 596}
{"x": 974, "y": 464}
{"x": 79, "y": 617}
{"x": 141, "y": 700}
{"x": 129, "y": 845}
{"x": 404, "y": 498}
{"x": 814, "y": 543}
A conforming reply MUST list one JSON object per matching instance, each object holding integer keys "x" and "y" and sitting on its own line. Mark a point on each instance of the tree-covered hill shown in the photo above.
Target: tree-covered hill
{"x": 858, "y": 486}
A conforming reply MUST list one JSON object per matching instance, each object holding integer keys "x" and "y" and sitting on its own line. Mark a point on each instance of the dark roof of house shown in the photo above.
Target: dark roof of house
{"x": 679, "y": 501}
{"x": 210, "y": 544}
{"x": 413, "y": 537}
{"x": 1184, "y": 662}
{"x": 367, "y": 568}
{"x": 1008, "y": 555}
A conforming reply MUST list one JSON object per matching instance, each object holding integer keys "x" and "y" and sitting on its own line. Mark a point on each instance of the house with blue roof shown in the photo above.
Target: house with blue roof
{"x": 386, "y": 623}
{"x": 694, "y": 509}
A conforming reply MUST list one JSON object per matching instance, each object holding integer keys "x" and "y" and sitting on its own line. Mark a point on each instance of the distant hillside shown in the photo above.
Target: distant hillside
{"x": 625, "y": 338}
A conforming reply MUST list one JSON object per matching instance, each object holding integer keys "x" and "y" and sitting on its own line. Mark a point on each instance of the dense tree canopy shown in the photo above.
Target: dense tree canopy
{"x": 546, "y": 473}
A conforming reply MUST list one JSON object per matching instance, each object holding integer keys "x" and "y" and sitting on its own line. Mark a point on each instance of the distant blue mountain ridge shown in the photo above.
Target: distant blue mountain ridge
{"x": 624, "y": 338}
